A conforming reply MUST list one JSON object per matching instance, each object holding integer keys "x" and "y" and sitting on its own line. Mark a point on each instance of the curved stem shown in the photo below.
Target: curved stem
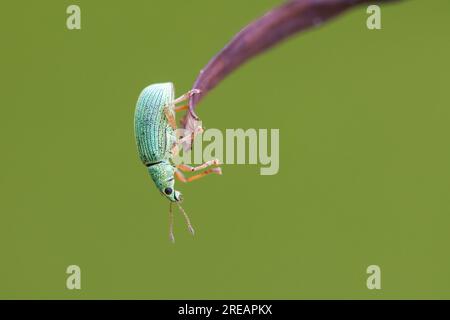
{"x": 261, "y": 34}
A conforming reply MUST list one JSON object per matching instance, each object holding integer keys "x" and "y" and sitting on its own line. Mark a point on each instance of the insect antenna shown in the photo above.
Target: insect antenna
{"x": 188, "y": 222}
{"x": 171, "y": 236}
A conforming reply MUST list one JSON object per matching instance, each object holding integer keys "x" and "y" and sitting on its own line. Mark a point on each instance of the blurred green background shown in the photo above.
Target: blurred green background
{"x": 364, "y": 156}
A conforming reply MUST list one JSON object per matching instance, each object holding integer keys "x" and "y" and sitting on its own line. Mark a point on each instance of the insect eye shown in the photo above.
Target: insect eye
{"x": 168, "y": 191}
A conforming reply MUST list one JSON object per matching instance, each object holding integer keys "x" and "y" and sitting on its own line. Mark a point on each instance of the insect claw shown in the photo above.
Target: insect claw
{"x": 194, "y": 91}
{"x": 199, "y": 130}
{"x": 172, "y": 238}
{"x": 191, "y": 230}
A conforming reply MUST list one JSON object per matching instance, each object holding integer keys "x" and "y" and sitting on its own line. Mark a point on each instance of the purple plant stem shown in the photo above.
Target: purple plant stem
{"x": 273, "y": 27}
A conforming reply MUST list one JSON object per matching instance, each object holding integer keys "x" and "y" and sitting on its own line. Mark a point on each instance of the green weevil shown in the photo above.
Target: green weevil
{"x": 157, "y": 143}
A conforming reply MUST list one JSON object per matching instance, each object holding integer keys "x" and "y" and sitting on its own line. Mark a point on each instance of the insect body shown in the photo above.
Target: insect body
{"x": 157, "y": 143}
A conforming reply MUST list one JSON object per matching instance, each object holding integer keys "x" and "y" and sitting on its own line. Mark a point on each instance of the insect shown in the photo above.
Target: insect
{"x": 155, "y": 132}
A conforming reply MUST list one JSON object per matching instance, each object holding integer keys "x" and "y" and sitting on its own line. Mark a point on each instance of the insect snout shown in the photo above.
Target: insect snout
{"x": 178, "y": 196}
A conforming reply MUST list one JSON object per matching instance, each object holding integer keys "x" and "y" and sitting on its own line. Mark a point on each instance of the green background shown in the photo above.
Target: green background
{"x": 364, "y": 155}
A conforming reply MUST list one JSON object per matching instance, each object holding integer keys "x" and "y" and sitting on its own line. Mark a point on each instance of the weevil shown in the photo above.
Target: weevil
{"x": 157, "y": 143}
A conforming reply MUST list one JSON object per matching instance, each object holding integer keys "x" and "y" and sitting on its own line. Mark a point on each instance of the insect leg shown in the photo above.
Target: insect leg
{"x": 186, "y": 168}
{"x": 170, "y": 117}
{"x": 181, "y": 108}
{"x": 180, "y": 176}
{"x": 180, "y": 141}
{"x": 186, "y": 96}
{"x": 190, "y": 136}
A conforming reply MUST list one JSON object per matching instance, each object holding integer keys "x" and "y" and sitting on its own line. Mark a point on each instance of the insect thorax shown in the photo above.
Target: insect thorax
{"x": 161, "y": 173}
